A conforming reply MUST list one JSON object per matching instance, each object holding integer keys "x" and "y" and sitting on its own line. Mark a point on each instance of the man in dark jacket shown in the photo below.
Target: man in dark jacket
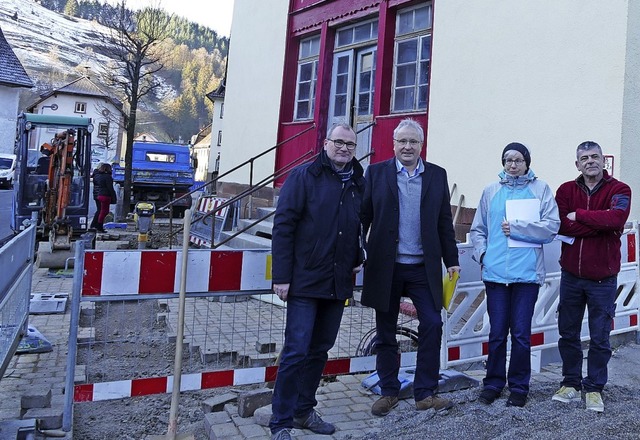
{"x": 406, "y": 207}
{"x": 316, "y": 249}
{"x": 593, "y": 209}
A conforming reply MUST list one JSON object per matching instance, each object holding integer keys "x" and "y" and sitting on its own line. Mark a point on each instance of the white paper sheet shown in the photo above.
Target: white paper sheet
{"x": 526, "y": 210}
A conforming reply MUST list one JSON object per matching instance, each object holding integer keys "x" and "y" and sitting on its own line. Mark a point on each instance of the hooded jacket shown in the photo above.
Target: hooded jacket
{"x": 501, "y": 263}
{"x": 600, "y": 217}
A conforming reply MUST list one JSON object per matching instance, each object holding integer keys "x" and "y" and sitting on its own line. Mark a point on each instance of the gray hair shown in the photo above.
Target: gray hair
{"x": 339, "y": 124}
{"x": 588, "y": 145}
{"x": 409, "y": 123}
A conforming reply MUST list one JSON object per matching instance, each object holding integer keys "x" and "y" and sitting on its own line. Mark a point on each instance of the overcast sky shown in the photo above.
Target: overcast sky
{"x": 215, "y": 14}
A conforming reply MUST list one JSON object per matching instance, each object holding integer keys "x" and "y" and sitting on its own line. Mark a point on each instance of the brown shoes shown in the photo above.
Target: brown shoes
{"x": 436, "y": 402}
{"x": 384, "y": 405}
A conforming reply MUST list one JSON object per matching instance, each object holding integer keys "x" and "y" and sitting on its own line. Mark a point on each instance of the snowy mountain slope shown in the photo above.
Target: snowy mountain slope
{"x": 41, "y": 38}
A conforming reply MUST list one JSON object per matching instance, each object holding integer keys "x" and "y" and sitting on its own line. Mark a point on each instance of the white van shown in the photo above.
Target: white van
{"x": 7, "y": 169}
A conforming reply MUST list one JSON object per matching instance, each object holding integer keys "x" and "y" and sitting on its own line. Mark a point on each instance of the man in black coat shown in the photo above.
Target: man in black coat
{"x": 407, "y": 213}
{"x": 316, "y": 249}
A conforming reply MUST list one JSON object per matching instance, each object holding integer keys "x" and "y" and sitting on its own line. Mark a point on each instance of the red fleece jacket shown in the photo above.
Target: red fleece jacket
{"x": 600, "y": 217}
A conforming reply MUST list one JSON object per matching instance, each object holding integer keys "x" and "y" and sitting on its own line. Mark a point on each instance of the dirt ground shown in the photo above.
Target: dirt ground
{"x": 136, "y": 418}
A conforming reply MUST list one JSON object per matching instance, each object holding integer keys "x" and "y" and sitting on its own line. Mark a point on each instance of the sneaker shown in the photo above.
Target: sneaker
{"x": 283, "y": 434}
{"x": 384, "y": 405}
{"x": 488, "y": 396}
{"x": 517, "y": 399}
{"x": 594, "y": 401}
{"x": 314, "y": 423}
{"x": 567, "y": 394}
{"x": 436, "y": 402}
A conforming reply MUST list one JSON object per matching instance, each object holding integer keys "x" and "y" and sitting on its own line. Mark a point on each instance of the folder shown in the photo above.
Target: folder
{"x": 448, "y": 288}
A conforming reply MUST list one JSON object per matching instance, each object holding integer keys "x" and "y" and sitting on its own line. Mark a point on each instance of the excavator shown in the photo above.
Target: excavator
{"x": 52, "y": 186}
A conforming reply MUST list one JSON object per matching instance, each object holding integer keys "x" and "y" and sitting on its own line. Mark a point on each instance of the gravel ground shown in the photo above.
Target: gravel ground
{"x": 540, "y": 419}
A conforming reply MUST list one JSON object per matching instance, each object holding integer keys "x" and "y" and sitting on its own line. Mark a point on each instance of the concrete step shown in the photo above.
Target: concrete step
{"x": 263, "y": 228}
{"x": 265, "y": 211}
{"x": 246, "y": 241}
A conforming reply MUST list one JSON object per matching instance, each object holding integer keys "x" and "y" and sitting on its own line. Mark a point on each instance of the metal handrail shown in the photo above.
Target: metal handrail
{"x": 237, "y": 167}
{"x": 266, "y": 181}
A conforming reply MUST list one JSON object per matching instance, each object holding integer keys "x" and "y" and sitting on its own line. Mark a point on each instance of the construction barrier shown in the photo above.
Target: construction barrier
{"x": 16, "y": 261}
{"x": 240, "y": 275}
{"x": 206, "y": 227}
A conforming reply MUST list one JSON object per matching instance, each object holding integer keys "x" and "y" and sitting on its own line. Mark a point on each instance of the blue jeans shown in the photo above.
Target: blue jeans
{"x": 310, "y": 332}
{"x": 599, "y": 298}
{"x": 409, "y": 280}
{"x": 510, "y": 308}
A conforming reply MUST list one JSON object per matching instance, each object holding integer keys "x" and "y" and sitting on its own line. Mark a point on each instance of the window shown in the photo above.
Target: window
{"x": 81, "y": 107}
{"x": 221, "y": 110}
{"x": 412, "y": 58}
{"x": 357, "y": 34}
{"x": 161, "y": 157}
{"x": 219, "y": 138}
{"x": 103, "y": 129}
{"x": 307, "y": 77}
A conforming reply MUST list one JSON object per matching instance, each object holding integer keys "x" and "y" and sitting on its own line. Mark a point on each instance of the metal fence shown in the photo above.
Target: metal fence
{"x": 16, "y": 261}
{"x": 128, "y": 313}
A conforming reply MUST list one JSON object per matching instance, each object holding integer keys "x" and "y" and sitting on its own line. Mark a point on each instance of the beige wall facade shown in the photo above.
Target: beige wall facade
{"x": 254, "y": 83}
{"x": 548, "y": 74}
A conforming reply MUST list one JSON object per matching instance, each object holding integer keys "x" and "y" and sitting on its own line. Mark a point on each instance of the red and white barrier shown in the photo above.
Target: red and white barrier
{"x": 147, "y": 272}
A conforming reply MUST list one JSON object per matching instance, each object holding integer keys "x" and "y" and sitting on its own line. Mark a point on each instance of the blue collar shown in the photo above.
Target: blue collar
{"x": 419, "y": 169}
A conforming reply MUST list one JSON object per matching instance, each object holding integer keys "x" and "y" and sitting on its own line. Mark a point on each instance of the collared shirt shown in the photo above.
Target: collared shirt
{"x": 419, "y": 169}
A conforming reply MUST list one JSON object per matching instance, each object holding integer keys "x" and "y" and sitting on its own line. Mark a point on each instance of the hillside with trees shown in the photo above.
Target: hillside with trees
{"x": 191, "y": 61}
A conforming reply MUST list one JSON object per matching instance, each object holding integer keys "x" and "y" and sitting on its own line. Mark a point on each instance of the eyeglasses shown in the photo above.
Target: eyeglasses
{"x": 339, "y": 143}
{"x": 405, "y": 142}
{"x": 514, "y": 161}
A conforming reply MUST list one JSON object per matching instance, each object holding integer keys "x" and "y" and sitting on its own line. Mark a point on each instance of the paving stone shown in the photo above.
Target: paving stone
{"x": 250, "y": 401}
{"x": 226, "y": 430}
{"x": 262, "y": 416}
{"x": 265, "y": 347}
{"x": 217, "y": 418}
{"x": 48, "y": 418}
{"x": 253, "y": 431}
{"x": 36, "y": 398}
{"x": 217, "y": 403}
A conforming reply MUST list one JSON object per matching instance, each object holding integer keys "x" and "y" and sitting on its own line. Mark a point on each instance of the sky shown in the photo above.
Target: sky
{"x": 215, "y": 14}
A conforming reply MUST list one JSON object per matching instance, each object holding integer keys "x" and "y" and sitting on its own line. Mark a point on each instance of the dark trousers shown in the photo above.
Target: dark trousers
{"x": 599, "y": 299}
{"x": 310, "y": 332}
{"x": 94, "y": 222}
{"x": 510, "y": 309}
{"x": 409, "y": 280}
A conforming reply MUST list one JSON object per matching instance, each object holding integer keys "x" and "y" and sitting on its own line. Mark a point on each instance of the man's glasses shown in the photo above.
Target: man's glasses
{"x": 405, "y": 142}
{"x": 339, "y": 143}
{"x": 514, "y": 161}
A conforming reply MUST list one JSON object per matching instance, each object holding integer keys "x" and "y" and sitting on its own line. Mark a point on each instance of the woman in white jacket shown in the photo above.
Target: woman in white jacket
{"x": 509, "y": 251}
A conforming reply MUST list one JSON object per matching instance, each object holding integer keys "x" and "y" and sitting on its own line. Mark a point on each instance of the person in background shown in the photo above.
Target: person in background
{"x": 512, "y": 274}
{"x": 103, "y": 195}
{"x": 316, "y": 249}
{"x": 593, "y": 209}
{"x": 407, "y": 213}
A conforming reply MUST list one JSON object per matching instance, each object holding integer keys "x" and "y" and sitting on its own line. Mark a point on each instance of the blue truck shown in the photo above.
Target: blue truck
{"x": 160, "y": 173}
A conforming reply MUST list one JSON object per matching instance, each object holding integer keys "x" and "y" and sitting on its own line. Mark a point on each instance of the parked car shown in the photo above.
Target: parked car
{"x": 7, "y": 169}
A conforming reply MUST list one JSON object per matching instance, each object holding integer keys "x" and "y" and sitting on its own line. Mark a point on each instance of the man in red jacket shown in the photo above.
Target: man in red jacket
{"x": 593, "y": 209}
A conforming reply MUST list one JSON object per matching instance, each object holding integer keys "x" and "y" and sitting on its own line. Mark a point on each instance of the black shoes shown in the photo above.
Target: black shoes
{"x": 517, "y": 399}
{"x": 488, "y": 396}
{"x": 314, "y": 423}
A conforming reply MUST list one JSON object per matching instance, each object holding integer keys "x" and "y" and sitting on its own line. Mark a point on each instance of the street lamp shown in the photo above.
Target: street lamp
{"x": 53, "y": 107}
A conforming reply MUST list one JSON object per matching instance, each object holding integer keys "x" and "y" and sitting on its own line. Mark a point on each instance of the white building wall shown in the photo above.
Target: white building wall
{"x": 254, "y": 83}
{"x": 94, "y": 110}
{"x": 9, "y": 97}
{"x": 217, "y": 125}
{"x": 630, "y": 163}
{"x": 547, "y": 73}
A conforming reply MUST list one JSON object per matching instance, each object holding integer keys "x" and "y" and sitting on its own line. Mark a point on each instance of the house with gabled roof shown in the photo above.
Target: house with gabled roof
{"x": 13, "y": 77}
{"x": 83, "y": 98}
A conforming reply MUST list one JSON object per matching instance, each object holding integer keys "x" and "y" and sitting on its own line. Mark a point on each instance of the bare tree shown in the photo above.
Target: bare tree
{"x": 134, "y": 45}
